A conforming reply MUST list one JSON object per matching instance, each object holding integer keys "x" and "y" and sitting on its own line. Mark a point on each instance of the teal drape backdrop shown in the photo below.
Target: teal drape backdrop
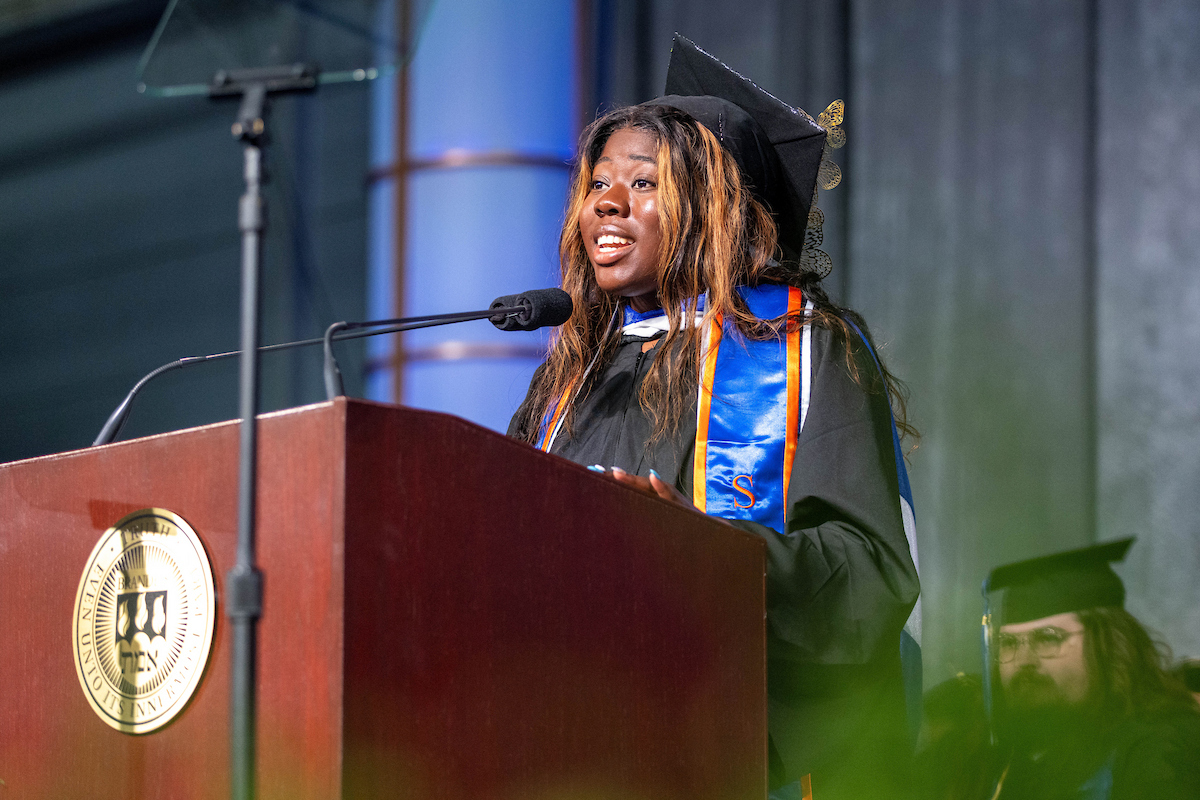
{"x": 119, "y": 247}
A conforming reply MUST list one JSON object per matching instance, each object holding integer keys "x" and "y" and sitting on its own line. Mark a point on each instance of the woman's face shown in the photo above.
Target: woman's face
{"x": 619, "y": 218}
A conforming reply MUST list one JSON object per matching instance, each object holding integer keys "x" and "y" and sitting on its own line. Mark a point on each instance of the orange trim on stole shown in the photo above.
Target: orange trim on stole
{"x": 806, "y": 787}
{"x": 703, "y": 409}
{"x": 544, "y": 445}
{"x": 794, "y": 344}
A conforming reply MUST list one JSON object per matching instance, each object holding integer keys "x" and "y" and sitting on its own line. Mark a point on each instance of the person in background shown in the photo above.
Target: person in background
{"x": 1087, "y": 708}
{"x": 704, "y": 364}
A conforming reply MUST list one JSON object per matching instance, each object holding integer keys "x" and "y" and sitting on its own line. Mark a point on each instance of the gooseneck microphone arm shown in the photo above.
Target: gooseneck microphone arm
{"x": 117, "y": 419}
{"x": 333, "y": 376}
{"x": 527, "y": 311}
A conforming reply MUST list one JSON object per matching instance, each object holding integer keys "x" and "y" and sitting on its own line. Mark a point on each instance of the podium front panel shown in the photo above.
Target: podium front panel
{"x": 448, "y": 613}
{"x": 546, "y": 631}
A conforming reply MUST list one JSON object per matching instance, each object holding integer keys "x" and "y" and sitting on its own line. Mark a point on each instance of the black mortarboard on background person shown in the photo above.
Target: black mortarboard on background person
{"x": 778, "y": 148}
{"x": 1055, "y": 584}
{"x": 1060, "y": 583}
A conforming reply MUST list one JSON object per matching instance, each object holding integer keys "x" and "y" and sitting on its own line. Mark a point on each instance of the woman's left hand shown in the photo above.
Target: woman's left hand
{"x": 653, "y": 485}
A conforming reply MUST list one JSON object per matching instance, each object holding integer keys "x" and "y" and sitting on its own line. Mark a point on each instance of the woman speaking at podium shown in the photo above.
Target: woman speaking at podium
{"x": 705, "y": 364}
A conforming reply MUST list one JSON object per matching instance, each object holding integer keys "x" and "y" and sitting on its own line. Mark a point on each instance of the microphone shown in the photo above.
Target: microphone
{"x": 117, "y": 419}
{"x": 543, "y": 307}
{"x": 532, "y": 310}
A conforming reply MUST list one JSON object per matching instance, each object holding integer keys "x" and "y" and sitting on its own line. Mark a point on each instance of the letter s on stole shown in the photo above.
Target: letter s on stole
{"x": 744, "y": 490}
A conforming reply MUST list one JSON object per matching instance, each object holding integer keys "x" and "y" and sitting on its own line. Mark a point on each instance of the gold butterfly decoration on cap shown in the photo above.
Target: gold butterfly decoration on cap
{"x": 829, "y": 175}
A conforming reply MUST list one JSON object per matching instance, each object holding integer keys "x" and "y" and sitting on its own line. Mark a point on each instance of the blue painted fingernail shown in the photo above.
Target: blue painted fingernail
{"x": 618, "y": 469}
{"x": 654, "y": 474}
{"x": 596, "y": 468}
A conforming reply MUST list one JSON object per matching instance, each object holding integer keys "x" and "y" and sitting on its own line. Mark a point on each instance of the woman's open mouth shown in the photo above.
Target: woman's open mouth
{"x": 608, "y": 244}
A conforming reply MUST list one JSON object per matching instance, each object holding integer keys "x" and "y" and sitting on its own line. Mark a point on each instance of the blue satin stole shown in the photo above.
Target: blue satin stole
{"x": 753, "y": 395}
{"x": 752, "y": 399}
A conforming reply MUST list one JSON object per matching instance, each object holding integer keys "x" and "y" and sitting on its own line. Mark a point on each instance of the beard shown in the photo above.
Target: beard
{"x": 1054, "y": 744}
{"x": 1030, "y": 692}
{"x": 1038, "y": 716}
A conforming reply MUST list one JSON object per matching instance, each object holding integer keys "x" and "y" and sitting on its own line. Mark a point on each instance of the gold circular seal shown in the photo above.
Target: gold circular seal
{"x": 143, "y": 623}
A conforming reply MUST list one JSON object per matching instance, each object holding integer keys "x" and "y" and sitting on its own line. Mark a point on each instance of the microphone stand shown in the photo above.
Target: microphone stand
{"x": 244, "y": 582}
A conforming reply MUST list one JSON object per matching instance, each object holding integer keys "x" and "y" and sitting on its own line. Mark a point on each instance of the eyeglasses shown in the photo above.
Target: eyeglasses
{"x": 1043, "y": 643}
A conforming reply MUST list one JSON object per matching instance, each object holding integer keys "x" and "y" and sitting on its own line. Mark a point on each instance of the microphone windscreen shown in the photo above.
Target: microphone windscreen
{"x": 502, "y": 321}
{"x": 545, "y": 307}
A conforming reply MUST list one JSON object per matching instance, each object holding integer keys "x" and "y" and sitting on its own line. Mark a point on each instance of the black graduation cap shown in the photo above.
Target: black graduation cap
{"x": 1059, "y": 583}
{"x": 778, "y": 147}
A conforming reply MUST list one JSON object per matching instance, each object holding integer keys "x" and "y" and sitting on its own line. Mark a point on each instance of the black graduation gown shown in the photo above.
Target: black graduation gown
{"x": 840, "y": 579}
{"x": 1146, "y": 756}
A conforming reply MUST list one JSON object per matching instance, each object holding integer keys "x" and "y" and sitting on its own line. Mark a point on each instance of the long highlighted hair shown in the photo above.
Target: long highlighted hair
{"x": 715, "y": 237}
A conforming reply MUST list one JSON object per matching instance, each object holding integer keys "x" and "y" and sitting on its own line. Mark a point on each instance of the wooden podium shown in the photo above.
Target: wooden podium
{"x": 448, "y": 614}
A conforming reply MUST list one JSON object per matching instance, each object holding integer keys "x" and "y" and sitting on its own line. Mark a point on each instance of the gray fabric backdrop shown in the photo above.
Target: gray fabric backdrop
{"x": 1020, "y": 223}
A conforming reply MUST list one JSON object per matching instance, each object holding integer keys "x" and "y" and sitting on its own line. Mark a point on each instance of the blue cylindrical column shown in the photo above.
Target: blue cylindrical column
{"x": 490, "y": 133}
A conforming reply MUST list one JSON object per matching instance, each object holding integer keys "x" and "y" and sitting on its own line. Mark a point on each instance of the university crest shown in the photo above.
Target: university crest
{"x": 143, "y": 622}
